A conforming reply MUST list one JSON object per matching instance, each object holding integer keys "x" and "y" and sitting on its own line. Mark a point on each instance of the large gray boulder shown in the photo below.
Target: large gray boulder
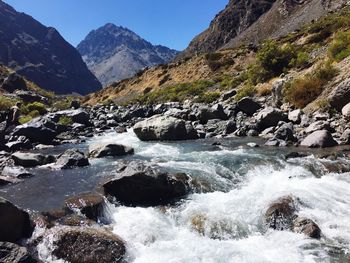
{"x": 12, "y": 253}
{"x": 88, "y": 245}
{"x": 270, "y": 117}
{"x": 14, "y": 222}
{"x": 71, "y": 158}
{"x": 340, "y": 95}
{"x": 111, "y": 150}
{"x": 206, "y": 113}
{"x": 319, "y": 139}
{"x": 164, "y": 128}
{"x": 140, "y": 185}
{"x": 39, "y": 130}
{"x": 346, "y": 110}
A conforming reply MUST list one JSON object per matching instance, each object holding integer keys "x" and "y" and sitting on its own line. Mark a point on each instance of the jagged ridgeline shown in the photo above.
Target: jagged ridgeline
{"x": 42, "y": 55}
{"x": 248, "y": 59}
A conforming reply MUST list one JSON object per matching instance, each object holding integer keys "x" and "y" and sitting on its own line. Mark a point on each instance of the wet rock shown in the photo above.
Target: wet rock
{"x": 295, "y": 155}
{"x": 31, "y": 159}
{"x": 14, "y": 222}
{"x": 295, "y": 116}
{"x": 111, "y": 150}
{"x": 319, "y": 139}
{"x": 248, "y": 105}
{"x": 141, "y": 185}
{"x": 90, "y": 205}
{"x": 164, "y": 128}
{"x": 12, "y": 253}
{"x": 88, "y": 245}
{"x": 15, "y": 172}
{"x": 71, "y": 158}
{"x": 19, "y": 145}
{"x": 5, "y": 180}
{"x": 280, "y": 213}
{"x": 120, "y": 129}
{"x": 340, "y": 95}
{"x": 307, "y": 227}
{"x": 269, "y": 117}
{"x": 346, "y": 111}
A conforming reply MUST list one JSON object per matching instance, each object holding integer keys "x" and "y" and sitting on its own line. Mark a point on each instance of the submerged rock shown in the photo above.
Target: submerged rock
{"x": 12, "y": 253}
{"x": 88, "y": 245}
{"x": 141, "y": 185}
{"x": 71, "y": 158}
{"x": 307, "y": 227}
{"x": 279, "y": 215}
{"x": 14, "y": 222}
{"x": 164, "y": 128}
{"x": 111, "y": 150}
{"x": 319, "y": 139}
{"x": 90, "y": 205}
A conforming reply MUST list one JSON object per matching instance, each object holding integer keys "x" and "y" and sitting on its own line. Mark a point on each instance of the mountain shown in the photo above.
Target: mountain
{"x": 251, "y": 21}
{"x": 114, "y": 53}
{"x": 42, "y": 55}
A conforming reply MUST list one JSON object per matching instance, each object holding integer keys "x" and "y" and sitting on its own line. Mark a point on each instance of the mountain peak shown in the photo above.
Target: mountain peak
{"x": 114, "y": 52}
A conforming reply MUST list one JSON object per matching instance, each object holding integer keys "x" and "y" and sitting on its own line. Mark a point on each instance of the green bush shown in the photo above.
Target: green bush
{"x": 340, "y": 47}
{"x": 306, "y": 89}
{"x": 247, "y": 90}
{"x": 62, "y": 104}
{"x": 25, "y": 119}
{"x": 302, "y": 60}
{"x": 208, "y": 97}
{"x": 66, "y": 121}
{"x": 34, "y": 114}
{"x": 6, "y": 103}
{"x": 228, "y": 82}
{"x": 37, "y": 106}
{"x": 179, "y": 92}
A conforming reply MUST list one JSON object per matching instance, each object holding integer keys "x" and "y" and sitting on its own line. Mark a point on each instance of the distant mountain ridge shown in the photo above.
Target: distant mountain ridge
{"x": 42, "y": 55}
{"x": 114, "y": 53}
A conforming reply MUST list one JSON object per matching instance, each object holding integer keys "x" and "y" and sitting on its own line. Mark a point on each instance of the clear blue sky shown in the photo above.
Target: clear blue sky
{"x": 172, "y": 23}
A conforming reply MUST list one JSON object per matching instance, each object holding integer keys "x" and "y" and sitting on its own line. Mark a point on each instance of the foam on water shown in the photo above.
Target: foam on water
{"x": 226, "y": 224}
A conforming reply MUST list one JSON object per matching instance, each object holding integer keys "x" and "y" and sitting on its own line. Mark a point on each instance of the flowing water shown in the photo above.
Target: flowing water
{"x": 224, "y": 221}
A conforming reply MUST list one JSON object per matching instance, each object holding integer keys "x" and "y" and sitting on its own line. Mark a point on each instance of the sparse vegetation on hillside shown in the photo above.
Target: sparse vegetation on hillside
{"x": 248, "y": 90}
{"x": 6, "y": 103}
{"x": 340, "y": 47}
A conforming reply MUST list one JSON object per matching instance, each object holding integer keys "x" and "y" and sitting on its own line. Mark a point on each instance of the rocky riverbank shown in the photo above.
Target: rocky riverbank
{"x": 79, "y": 231}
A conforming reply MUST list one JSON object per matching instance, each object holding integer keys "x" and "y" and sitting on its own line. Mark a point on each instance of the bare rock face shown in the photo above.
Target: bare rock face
{"x": 40, "y": 54}
{"x": 114, "y": 53}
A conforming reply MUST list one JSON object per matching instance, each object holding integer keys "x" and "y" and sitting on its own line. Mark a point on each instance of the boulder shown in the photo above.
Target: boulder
{"x": 88, "y": 245}
{"x": 231, "y": 127}
{"x": 345, "y": 137}
{"x": 31, "y": 159}
{"x": 340, "y": 95}
{"x": 14, "y": 222}
{"x": 164, "y": 128}
{"x": 15, "y": 172}
{"x": 285, "y": 133}
{"x": 269, "y": 117}
{"x": 14, "y": 82}
{"x": 77, "y": 116}
{"x": 111, "y": 150}
{"x": 228, "y": 94}
{"x": 12, "y": 253}
{"x": 248, "y": 105}
{"x": 277, "y": 88}
{"x": 75, "y": 104}
{"x": 295, "y": 116}
{"x": 29, "y": 96}
{"x": 71, "y": 158}
{"x": 279, "y": 214}
{"x": 90, "y": 205}
{"x": 346, "y": 110}
{"x": 319, "y": 139}
{"x": 317, "y": 126}
{"x": 140, "y": 185}
{"x": 39, "y": 130}
{"x": 206, "y": 113}
{"x": 307, "y": 227}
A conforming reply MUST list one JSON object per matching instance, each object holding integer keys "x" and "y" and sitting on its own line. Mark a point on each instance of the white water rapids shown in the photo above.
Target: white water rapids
{"x": 239, "y": 184}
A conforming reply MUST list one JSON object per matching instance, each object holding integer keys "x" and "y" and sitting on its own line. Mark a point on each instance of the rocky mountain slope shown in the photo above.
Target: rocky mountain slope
{"x": 246, "y": 22}
{"x": 114, "y": 53}
{"x": 42, "y": 55}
